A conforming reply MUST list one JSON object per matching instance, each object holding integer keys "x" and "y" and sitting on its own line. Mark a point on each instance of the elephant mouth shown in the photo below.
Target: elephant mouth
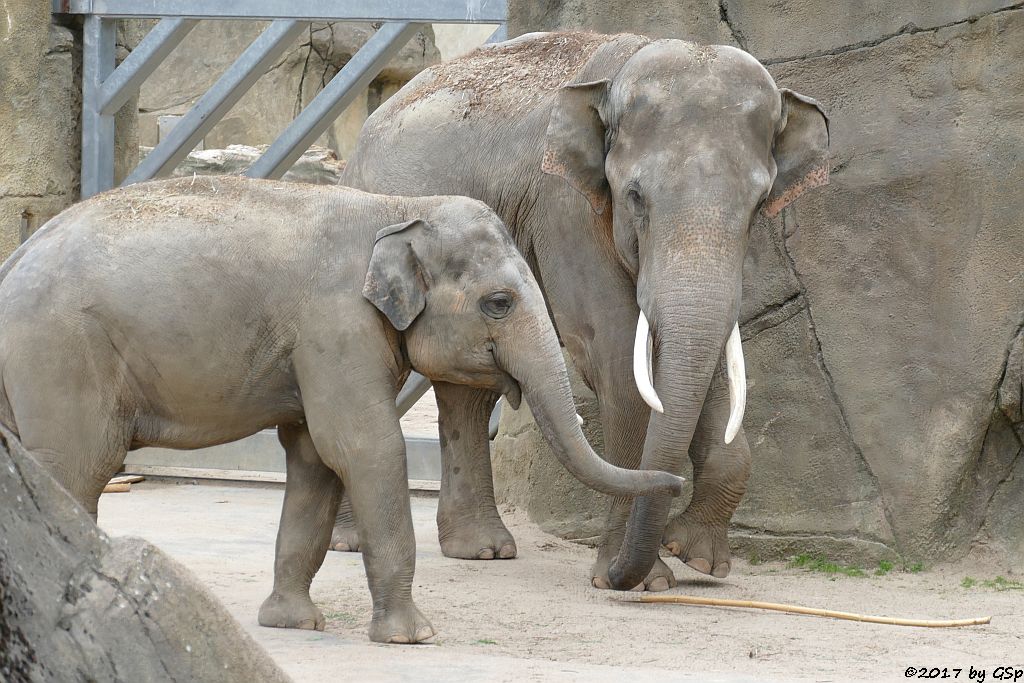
{"x": 511, "y": 390}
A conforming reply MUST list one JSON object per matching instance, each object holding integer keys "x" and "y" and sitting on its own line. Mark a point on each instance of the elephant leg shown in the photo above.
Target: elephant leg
{"x": 468, "y": 523}
{"x": 624, "y": 448}
{"x": 361, "y": 440}
{"x": 75, "y": 421}
{"x": 607, "y": 364}
{"x": 699, "y": 536}
{"x": 310, "y": 498}
{"x": 345, "y": 535}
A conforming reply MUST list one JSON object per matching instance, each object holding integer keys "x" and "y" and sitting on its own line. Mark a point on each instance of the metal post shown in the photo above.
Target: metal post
{"x": 415, "y": 386}
{"x": 144, "y": 59}
{"x": 500, "y": 34}
{"x": 97, "y": 128}
{"x": 218, "y": 100}
{"x": 321, "y": 112}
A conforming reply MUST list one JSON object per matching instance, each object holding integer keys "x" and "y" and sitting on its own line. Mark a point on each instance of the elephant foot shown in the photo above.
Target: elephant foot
{"x": 344, "y": 539}
{"x": 471, "y": 538}
{"x": 701, "y": 546}
{"x": 402, "y": 625}
{"x": 660, "y": 577}
{"x": 291, "y": 611}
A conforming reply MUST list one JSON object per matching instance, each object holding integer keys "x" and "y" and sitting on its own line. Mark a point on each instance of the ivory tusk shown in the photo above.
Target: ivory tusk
{"x": 641, "y": 367}
{"x": 737, "y": 383}
{"x": 579, "y": 419}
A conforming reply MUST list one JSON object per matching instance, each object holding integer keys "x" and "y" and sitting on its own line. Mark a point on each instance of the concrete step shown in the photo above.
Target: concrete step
{"x": 262, "y": 453}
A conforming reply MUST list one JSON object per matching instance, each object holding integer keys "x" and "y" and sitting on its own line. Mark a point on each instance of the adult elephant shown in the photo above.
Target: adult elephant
{"x": 628, "y": 171}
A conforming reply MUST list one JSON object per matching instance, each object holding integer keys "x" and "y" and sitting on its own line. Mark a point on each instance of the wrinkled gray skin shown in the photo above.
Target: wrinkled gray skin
{"x": 192, "y": 312}
{"x": 628, "y": 172}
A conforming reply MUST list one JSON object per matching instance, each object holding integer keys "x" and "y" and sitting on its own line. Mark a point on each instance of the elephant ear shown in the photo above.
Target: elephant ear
{"x": 800, "y": 151}
{"x": 574, "y": 146}
{"x": 396, "y": 280}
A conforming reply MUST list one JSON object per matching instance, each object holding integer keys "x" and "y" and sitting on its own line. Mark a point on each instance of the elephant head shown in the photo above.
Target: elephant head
{"x": 470, "y": 312}
{"x": 683, "y": 145}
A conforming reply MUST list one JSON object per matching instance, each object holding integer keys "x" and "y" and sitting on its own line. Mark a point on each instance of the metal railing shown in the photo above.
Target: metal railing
{"x": 106, "y": 88}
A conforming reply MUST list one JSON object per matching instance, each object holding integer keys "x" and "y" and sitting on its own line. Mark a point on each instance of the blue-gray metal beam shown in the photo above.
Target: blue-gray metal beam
{"x": 500, "y": 34}
{"x": 97, "y": 128}
{"x": 422, "y": 11}
{"x": 218, "y": 100}
{"x": 143, "y": 60}
{"x": 415, "y": 386}
{"x": 321, "y": 112}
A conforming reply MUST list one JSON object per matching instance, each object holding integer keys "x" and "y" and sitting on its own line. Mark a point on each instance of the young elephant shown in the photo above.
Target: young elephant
{"x": 192, "y": 312}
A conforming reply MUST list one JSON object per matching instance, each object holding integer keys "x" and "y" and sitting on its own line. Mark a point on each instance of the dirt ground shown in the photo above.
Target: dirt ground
{"x": 421, "y": 420}
{"x": 535, "y": 618}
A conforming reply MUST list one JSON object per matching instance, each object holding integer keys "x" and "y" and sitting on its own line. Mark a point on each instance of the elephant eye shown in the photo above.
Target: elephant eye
{"x": 497, "y": 305}
{"x": 635, "y": 203}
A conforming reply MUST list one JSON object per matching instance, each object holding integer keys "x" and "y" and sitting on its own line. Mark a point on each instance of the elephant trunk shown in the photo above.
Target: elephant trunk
{"x": 692, "y": 316}
{"x": 545, "y": 384}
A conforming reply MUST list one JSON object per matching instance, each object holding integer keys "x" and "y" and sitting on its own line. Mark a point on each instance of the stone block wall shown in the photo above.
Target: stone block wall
{"x": 882, "y": 315}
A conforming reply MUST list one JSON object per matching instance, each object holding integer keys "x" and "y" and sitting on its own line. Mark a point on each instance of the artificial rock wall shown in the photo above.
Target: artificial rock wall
{"x": 40, "y": 115}
{"x": 882, "y": 315}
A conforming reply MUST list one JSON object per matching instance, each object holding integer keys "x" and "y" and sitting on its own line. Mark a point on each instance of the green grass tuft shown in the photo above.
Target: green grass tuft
{"x": 817, "y": 563}
{"x": 884, "y": 567}
{"x": 1000, "y": 583}
{"x": 486, "y": 641}
{"x": 915, "y": 568}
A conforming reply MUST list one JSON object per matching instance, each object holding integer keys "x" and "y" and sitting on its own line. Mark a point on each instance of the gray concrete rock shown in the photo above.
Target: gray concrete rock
{"x": 76, "y": 605}
{"x": 284, "y": 90}
{"x": 317, "y": 165}
{"x": 882, "y": 314}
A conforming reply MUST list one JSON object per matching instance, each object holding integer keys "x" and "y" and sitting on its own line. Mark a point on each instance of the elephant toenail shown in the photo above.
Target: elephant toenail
{"x": 485, "y": 554}
{"x": 658, "y": 584}
{"x": 674, "y": 547}
{"x": 601, "y": 583}
{"x": 508, "y": 551}
{"x": 423, "y": 633}
{"x": 700, "y": 564}
{"x": 722, "y": 570}
{"x": 399, "y": 638}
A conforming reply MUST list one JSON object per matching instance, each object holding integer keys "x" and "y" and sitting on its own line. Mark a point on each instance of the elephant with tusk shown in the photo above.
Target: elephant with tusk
{"x": 628, "y": 171}
{"x": 192, "y": 312}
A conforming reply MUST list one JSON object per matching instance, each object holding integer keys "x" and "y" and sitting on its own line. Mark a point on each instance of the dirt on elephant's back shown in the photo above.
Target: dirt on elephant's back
{"x": 513, "y": 75}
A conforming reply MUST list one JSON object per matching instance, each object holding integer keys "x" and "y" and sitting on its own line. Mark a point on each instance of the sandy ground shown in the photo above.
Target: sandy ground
{"x": 421, "y": 420}
{"x": 536, "y": 619}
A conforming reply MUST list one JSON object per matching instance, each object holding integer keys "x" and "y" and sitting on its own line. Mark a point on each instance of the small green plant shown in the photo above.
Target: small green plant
{"x": 1000, "y": 583}
{"x": 884, "y": 567}
{"x": 486, "y": 641}
{"x": 754, "y": 559}
{"x": 914, "y": 568}
{"x": 817, "y": 563}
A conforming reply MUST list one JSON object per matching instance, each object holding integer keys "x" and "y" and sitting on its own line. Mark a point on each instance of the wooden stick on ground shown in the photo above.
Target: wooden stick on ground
{"x": 796, "y": 609}
{"x": 117, "y": 488}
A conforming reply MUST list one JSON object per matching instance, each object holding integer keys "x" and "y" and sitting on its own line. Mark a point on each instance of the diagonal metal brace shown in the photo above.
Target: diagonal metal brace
{"x": 143, "y": 60}
{"x": 330, "y": 102}
{"x": 219, "y": 99}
